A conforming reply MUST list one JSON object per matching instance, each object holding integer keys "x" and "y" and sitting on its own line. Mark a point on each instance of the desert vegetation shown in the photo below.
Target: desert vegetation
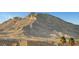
{"x": 23, "y": 42}
{"x": 71, "y": 42}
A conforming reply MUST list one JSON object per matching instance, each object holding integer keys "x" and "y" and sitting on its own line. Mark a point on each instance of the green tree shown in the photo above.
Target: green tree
{"x": 62, "y": 41}
{"x": 71, "y": 42}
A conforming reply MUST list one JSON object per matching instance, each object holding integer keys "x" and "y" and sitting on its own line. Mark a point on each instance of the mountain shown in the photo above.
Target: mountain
{"x": 39, "y": 25}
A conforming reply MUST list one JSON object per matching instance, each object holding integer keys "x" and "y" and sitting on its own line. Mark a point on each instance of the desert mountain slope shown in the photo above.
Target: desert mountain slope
{"x": 48, "y": 25}
{"x": 40, "y": 25}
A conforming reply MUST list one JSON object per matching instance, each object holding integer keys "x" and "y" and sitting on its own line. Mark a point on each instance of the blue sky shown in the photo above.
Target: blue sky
{"x": 7, "y": 15}
{"x": 72, "y": 17}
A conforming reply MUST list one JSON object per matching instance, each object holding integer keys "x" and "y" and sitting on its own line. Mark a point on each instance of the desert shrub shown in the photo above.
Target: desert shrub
{"x": 71, "y": 41}
{"x": 18, "y": 44}
{"x": 63, "y": 40}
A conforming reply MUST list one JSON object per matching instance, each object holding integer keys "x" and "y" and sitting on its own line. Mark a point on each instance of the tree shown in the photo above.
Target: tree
{"x": 18, "y": 44}
{"x": 62, "y": 41}
{"x": 71, "y": 42}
